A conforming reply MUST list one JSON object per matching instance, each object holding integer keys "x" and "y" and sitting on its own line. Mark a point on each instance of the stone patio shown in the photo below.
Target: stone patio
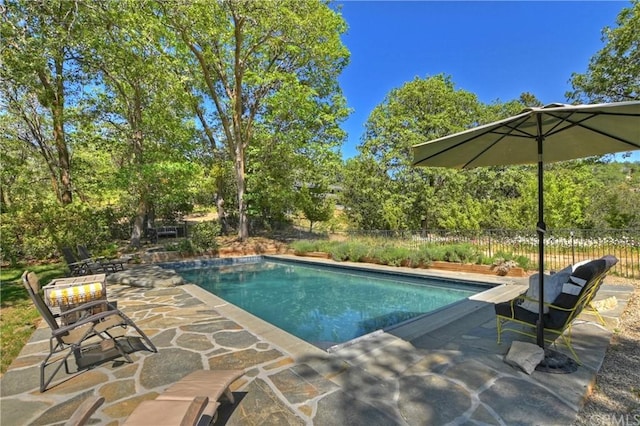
{"x": 429, "y": 372}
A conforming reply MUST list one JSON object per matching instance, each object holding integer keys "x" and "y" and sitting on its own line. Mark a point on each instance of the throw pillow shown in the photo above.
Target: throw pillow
{"x": 552, "y": 289}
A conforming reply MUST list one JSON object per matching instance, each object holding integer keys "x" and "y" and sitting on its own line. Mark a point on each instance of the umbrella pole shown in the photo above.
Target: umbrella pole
{"x": 553, "y": 362}
{"x": 541, "y": 228}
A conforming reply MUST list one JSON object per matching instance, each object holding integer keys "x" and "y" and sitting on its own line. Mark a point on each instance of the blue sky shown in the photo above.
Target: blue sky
{"x": 496, "y": 50}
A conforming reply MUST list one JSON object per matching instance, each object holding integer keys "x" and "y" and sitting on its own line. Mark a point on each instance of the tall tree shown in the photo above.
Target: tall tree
{"x": 139, "y": 103}
{"x": 39, "y": 72}
{"x": 244, "y": 53}
{"x": 419, "y": 111}
{"x": 613, "y": 73}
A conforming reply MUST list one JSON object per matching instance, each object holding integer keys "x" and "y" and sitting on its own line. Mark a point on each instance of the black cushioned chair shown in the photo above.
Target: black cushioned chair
{"x": 79, "y": 267}
{"x": 582, "y": 286}
{"x": 108, "y": 265}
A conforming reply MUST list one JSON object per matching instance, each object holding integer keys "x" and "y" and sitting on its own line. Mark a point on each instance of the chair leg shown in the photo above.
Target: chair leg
{"x": 499, "y": 328}
{"x": 229, "y": 395}
{"x": 567, "y": 342}
{"x": 597, "y": 314}
{"x": 44, "y": 364}
{"x": 142, "y": 334}
{"x": 566, "y": 338}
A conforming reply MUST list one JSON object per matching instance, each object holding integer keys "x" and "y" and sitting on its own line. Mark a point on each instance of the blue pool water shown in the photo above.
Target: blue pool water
{"x": 326, "y": 306}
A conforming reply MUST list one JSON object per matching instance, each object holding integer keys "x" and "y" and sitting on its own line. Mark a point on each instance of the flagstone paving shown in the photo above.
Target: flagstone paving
{"x": 450, "y": 374}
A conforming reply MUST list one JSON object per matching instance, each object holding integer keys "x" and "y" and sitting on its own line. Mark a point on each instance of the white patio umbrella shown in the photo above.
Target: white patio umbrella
{"x": 548, "y": 134}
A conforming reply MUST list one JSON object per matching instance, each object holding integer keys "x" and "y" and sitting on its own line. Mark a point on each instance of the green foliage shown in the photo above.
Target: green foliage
{"x": 614, "y": 194}
{"x": 522, "y": 261}
{"x": 39, "y": 84}
{"x": 185, "y": 246}
{"x": 364, "y": 191}
{"x": 352, "y": 251}
{"x": 19, "y": 317}
{"x": 463, "y": 253}
{"x": 150, "y": 138}
{"x": 314, "y": 204}
{"x": 304, "y": 246}
{"x": 421, "y": 257}
{"x": 459, "y": 253}
{"x": 394, "y": 254}
{"x": 382, "y": 190}
{"x": 38, "y": 231}
{"x": 519, "y": 260}
{"x": 268, "y": 84}
{"x": 203, "y": 236}
{"x": 612, "y": 74}
{"x": 390, "y": 255}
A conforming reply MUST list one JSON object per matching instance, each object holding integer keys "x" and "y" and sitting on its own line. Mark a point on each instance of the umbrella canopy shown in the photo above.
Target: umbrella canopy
{"x": 556, "y": 132}
{"x": 567, "y": 131}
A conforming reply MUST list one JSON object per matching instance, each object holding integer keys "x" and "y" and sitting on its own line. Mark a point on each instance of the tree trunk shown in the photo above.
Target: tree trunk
{"x": 222, "y": 214}
{"x": 5, "y": 201}
{"x": 54, "y": 100}
{"x": 134, "y": 117}
{"x": 243, "y": 224}
{"x": 66, "y": 196}
{"x": 138, "y": 225}
{"x": 59, "y": 137}
{"x": 240, "y": 138}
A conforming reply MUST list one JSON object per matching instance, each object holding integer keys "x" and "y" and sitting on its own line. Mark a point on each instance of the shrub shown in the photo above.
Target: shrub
{"x": 435, "y": 252}
{"x": 353, "y": 251}
{"x": 393, "y": 256}
{"x": 467, "y": 253}
{"x": 326, "y": 245}
{"x": 203, "y": 237}
{"x": 172, "y": 247}
{"x": 388, "y": 254}
{"x": 460, "y": 253}
{"x": 339, "y": 252}
{"x": 523, "y": 261}
{"x": 38, "y": 230}
{"x": 356, "y": 251}
{"x": 421, "y": 257}
{"x": 304, "y": 246}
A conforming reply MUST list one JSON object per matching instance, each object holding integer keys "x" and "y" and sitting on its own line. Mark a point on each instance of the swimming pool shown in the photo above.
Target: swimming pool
{"x": 326, "y": 306}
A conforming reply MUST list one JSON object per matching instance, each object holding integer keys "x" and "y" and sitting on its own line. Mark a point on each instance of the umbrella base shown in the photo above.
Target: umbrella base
{"x": 557, "y": 363}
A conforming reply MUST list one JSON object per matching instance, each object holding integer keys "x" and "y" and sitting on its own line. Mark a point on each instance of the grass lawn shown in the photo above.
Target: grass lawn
{"x": 18, "y": 317}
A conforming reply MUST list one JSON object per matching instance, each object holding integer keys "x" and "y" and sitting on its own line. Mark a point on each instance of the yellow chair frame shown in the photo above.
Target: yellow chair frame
{"x": 564, "y": 332}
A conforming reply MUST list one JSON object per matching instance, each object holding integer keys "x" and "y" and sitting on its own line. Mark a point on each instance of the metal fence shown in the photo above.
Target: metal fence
{"x": 562, "y": 246}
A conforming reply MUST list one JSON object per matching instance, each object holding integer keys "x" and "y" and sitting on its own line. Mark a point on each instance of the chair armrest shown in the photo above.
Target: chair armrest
{"x": 95, "y": 318}
{"x": 516, "y": 301}
{"x": 547, "y": 304}
{"x": 523, "y": 297}
{"x": 560, "y": 308}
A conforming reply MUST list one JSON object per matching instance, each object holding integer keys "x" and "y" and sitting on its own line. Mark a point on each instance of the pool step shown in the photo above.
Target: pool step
{"x": 388, "y": 353}
{"x": 440, "y": 318}
{"x": 380, "y": 354}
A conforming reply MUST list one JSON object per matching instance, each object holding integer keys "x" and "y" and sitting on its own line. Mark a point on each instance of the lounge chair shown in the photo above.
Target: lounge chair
{"x": 208, "y": 384}
{"x": 108, "y": 265}
{"x": 575, "y": 295}
{"x": 90, "y": 339}
{"x": 79, "y": 267}
{"x": 168, "y": 413}
{"x": 85, "y": 410}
